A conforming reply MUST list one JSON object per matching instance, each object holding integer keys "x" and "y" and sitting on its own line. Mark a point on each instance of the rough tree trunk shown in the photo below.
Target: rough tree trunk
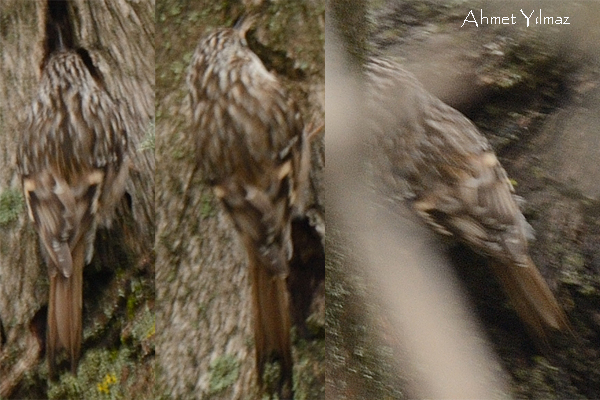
{"x": 205, "y": 338}
{"x": 118, "y": 349}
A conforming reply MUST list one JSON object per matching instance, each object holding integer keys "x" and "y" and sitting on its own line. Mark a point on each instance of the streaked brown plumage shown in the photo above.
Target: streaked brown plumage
{"x": 251, "y": 148}
{"x": 432, "y": 156}
{"x": 73, "y": 164}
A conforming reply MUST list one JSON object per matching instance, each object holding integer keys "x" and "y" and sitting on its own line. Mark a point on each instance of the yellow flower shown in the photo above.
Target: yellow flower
{"x": 109, "y": 379}
{"x": 102, "y": 388}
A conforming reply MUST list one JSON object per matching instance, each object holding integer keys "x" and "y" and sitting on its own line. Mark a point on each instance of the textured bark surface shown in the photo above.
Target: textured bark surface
{"x": 118, "y": 349}
{"x": 533, "y": 93}
{"x": 205, "y": 337}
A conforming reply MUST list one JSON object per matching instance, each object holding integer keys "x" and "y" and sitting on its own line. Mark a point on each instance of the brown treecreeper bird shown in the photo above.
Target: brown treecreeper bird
{"x": 435, "y": 158}
{"x": 251, "y": 149}
{"x": 73, "y": 163}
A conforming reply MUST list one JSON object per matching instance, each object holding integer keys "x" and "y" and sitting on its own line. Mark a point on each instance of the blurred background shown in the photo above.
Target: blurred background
{"x": 408, "y": 316}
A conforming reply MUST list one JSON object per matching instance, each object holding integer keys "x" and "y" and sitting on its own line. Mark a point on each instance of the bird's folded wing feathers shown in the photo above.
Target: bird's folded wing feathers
{"x": 62, "y": 212}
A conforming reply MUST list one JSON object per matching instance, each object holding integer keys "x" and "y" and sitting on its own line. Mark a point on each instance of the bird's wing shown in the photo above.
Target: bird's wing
{"x": 261, "y": 215}
{"x": 465, "y": 190}
{"x": 63, "y": 213}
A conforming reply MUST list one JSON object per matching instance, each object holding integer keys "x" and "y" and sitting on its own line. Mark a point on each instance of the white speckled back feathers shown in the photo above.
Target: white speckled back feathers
{"x": 73, "y": 163}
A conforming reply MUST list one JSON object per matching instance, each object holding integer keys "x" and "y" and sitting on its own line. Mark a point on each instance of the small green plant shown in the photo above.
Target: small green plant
{"x": 105, "y": 385}
{"x": 145, "y": 326}
{"x": 97, "y": 377}
{"x": 207, "y": 208}
{"x": 11, "y": 205}
{"x": 224, "y": 371}
{"x": 148, "y": 143}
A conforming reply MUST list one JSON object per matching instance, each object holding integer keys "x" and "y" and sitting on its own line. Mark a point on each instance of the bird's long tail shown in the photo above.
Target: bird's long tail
{"x": 532, "y": 299}
{"x": 65, "y": 314}
{"x": 271, "y": 322}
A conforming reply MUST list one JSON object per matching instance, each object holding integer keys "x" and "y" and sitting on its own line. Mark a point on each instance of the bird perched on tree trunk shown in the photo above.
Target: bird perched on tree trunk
{"x": 73, "y": 163}
{"x": 251, "y": 149}
{"x": 432, "y": 156}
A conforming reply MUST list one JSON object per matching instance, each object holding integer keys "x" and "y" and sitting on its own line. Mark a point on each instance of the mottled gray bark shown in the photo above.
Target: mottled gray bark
{"x": 120, "y": 39}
